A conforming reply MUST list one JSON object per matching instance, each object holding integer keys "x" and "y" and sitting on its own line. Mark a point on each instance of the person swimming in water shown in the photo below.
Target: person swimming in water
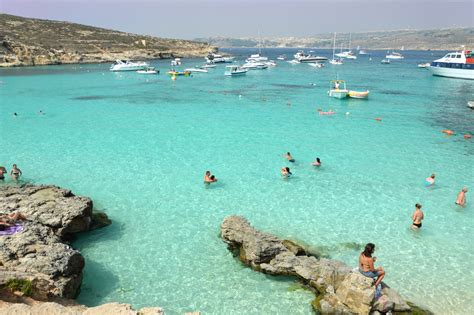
{"x": 317, "y": 162}
{"x": 285, "y": 172}
{"x": 366, "y": 265}
{"x": 430, "y": 180}
{"x": 3, "y": 171}
{"x": 289, "y": 157}
{"x": 209, "y": 178}
{"x": 15, "y": 173}
{"x": 461, "y": 199}
{"x": 417, "y": 217}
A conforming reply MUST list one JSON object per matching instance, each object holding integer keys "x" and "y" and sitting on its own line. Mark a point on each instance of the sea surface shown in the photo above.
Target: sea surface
{"x": 139, "y": 145}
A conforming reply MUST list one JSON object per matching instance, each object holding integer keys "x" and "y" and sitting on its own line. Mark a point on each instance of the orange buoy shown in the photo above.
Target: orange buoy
{"x": 467, "y": 136}
{"x": 448, "y": 132}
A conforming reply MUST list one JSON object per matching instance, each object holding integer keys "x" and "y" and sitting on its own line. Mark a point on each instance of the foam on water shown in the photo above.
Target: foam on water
{"x": 139, "y": 146}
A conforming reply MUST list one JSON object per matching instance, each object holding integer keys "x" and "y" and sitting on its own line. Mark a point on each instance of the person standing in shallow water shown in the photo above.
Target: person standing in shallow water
{"x": 15, "y": 173}
{"x": 3, "y": 171}
{"x": 209, "y": 178}
{"x": 289, "y": 157}
{"x": 417, "y": 217}
{"x": 366, "y": 265}
{"x": 461, "y": 199}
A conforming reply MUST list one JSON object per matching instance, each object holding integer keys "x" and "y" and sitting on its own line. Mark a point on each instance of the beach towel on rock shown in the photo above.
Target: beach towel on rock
{"x": 11, "y": 229}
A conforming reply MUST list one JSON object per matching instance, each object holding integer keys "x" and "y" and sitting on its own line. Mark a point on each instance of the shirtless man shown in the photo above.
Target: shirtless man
{"x": 3, "y": 171}
{"x": 289, "y": 157}
{"x": 366, "y": 264}
{"x": 208, "y": 178}
{"x": 417, "y": 217}
{"x": 461, "y": 199}
{"x": 15, "y": 173}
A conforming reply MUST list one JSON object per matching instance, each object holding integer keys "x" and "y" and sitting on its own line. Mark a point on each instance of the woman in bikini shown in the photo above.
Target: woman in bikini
{"x": 366, "y": 264}
{"x": 417, "y": 217}
{"x": 15, "y": 173}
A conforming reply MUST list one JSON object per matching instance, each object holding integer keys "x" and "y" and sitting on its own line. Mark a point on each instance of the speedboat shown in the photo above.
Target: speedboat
{"x": 216, "y": 58}
{"x": 336, "y": 61}
{"x": 337, "y": 89}
{"x": 385, "y": 61}
{"x": 470, "y": 104}
{"x": 127, "y": 65}
{"x": 359, "y": 94}
{"x": 424, "y": 65}
{"x": 196, "y": 70}
{"x": 208, "y": 66}
{"x": 149, "y": 70}
{"x": 254, "y": 66}
{"x": 300, "y": 56}
{"x": 455, "y": 65}
{"x": 235, "y": 71}
{"x": 256, "y": 58}
{"x": 281, "y": 57}
{"x": 394, "y": 55}
{"x": 362, "y": 52}
{"x": 176, "y": 62}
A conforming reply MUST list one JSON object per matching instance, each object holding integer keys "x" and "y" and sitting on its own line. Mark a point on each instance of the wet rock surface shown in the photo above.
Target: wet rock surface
{"x": 339, "y": 288}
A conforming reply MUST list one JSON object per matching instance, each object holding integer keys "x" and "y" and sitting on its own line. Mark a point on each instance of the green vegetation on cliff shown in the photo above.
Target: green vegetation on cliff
{"x": 27, "y": 41}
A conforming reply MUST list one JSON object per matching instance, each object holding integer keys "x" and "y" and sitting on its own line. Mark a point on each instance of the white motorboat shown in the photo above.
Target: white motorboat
{"x": 192, "y": 70}
{"x": 363, "y": 52}
{"x": 293, "y": 62}
{"x": 254, "y": 66}
{"x": 455, "y": 65}
{"x": 334, "y": 61}
{"x": 127, "y": 65}
{"x": 216, "y": 58}
{"x": 394, "y": 55}
{"x": 316, "y": 64}
{"x": 235, "y": 71}
{"x": 300, "y": 56}
{"x": 149, "y": 70}
{"x": 256, "y": 58}
{"x": 208, "y": 66}
{"x": 281, "y": 57}
{"x": 385, "y": 61}
{"x": 337, "y": 89}
{"x": 348, "y": 54}
{"x": 470, "y": 104}
{"x": 176, "y": 62}
{"x": 424, "y": 65}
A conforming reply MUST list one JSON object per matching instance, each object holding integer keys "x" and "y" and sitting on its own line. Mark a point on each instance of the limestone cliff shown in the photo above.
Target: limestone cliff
{"x": 29, "y": 42}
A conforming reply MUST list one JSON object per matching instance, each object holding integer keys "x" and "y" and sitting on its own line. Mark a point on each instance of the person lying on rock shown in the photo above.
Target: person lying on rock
{"x": 7, "y": 220}
{"x": 366, "y": 264}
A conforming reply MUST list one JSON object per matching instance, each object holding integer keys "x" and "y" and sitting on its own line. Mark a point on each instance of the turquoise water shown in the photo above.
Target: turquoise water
{"x": 139, "y": 146}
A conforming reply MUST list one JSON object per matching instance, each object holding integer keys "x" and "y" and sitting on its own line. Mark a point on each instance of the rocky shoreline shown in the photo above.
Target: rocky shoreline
{"x": 339, "y": 289}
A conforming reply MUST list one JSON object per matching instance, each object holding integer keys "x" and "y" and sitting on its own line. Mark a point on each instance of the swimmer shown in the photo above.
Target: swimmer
{"x": 461, "y": 199}
{"x": 3, "y": 171}
{"x": 208, "y": 178}
{"x": 40, "y": 113}
{"x": 15, "y": 114}
{"x": 317, "y": 162}
{"x": 289, "y": 157}
{"x": 285, "y": 172}
{"x": 417, "y": 217}
{"x": 15, "y": 173}
{"x": 429, "y": 181}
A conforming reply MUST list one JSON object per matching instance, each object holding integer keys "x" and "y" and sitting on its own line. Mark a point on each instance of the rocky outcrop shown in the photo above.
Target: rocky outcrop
{"x": 30, "y": 42}
{"x": 339, "y": 288}
{"x": 39, "y": 253}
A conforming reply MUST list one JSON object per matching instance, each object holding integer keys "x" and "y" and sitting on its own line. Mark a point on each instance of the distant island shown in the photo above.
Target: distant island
{"x": 29, "y": 42}
{"x": 439, "y": 39}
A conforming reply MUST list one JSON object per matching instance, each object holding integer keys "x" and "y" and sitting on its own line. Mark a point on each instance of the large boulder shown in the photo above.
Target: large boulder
{"x": 340, "y": 290}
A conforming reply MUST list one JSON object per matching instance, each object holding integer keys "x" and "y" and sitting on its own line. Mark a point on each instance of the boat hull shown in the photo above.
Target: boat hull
{"x": 338, "y": 93}
{"x": 467, "y": 74}
{"x": 117, "y": 68}
{"x": 358, "y": 95}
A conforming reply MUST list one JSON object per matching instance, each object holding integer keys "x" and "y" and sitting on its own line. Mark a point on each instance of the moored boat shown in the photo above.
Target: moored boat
{"x": 359, "y": 94}
{"x": 196, "y": 70}
{"x": 423, "y": 65}
{"x": 281, "y": 57}
{"x": 300, "y": 56}
{"x": 254, "y": 66}
{"x": 235, "y": 71}
{"x": 470, "y": 104}
{"x": 176, "y": 62}
{"x": 176, "y": 73}
{"x": 394, "y": 55}
{"x": 337, "y": 89}
{"x": 385, "y": 61}
{"x": 149, "y": 70}
{"x": 455, "y": 65}
{"x": 127, "y": 65}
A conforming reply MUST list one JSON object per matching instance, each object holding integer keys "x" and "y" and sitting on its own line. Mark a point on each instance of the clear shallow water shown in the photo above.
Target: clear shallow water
{"x": 139, "y": 145}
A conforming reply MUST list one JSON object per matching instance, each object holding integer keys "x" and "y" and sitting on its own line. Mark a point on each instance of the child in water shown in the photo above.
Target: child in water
{"x": 429, "y": 181}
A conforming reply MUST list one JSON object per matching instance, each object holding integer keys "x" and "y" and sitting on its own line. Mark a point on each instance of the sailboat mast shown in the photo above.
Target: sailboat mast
{"x": 350, "y": 41}
{"x": 334, "y": 46}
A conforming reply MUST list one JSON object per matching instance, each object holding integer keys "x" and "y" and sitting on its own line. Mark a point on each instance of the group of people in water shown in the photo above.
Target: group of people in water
{"x": 286, "y": 172}
{"x": 15, "y": 173}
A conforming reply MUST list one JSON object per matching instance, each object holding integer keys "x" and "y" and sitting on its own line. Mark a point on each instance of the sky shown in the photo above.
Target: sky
{"x": 190, "y": 19}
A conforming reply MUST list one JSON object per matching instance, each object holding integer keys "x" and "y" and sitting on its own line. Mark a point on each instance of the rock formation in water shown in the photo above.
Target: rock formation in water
{"x": 40, "y": 253}
{"x": 29, "y": 42}
{"x": 339, "y": 289}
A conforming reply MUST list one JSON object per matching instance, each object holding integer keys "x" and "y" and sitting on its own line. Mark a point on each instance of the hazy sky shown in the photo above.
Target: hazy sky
{"x": 202, "y": 18}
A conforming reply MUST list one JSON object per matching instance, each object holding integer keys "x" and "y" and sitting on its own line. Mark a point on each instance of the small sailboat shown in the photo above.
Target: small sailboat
{"x": 359, "y": 94}
{"x": 337, "y": 89}
{"x": 334, "y": 61}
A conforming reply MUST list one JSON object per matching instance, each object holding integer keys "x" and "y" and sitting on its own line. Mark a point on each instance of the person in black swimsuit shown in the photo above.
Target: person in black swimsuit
{"x": 417, "y": 217}
{"x": 15, "y": 173}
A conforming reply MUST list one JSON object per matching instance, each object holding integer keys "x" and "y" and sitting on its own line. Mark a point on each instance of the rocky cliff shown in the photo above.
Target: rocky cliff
{"x": 29, "y": 42}
{"x": 339, "y": 289}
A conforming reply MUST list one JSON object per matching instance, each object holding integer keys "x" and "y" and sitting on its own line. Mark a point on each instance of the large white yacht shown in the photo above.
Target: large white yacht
{"x": 127, "y": 65}
{"x": 300, "y": 56}
{"x": 455, "y": 65}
